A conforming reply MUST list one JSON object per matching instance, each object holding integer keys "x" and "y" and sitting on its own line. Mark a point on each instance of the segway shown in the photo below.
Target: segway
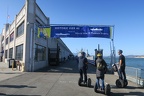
{"x": 81, "y": 82}
{"x": 120, "y": 83}
{"x": 106, "y": 91}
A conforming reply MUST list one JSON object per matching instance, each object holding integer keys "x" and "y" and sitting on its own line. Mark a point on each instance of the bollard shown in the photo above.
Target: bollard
{"x": 22, "y": 67}
{"x": 13, "y": 66}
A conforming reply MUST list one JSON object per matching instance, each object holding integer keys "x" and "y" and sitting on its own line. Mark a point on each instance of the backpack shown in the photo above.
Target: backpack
{"x": 100, "y": 66}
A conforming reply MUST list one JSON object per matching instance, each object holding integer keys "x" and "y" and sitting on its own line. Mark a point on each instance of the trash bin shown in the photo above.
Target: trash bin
{"x": 10, "y": 62}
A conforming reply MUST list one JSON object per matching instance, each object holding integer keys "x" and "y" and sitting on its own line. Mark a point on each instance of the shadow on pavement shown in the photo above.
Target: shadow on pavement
{"x": 92, "y": 86}
{"x": 128, "y": 87}
{"x": 70, "y": 66}
{"x": 3, "y": 94}
{"x": 128, "y": 94}
{"x": 9, "y": 73}
{"x": 17, "y": 86}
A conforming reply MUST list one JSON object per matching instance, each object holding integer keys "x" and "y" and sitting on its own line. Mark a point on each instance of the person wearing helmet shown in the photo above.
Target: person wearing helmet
{"x": 82, "y": 65}
{"x": 121, "y": 67}
{"x": 101, "y": 68}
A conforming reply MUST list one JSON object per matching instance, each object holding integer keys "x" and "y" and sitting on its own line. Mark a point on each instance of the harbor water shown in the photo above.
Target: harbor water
{"x": 134, "y": 66}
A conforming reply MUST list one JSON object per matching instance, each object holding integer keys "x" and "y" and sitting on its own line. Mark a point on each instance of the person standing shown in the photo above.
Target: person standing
{"x": 122, "y": 65}
{"x": 101, "y": 68}
{"x": 82, "y": 65}
{"x": 77, "y": 59}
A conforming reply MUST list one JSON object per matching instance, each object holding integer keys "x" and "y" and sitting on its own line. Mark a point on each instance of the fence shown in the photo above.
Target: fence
{"x": 135, "y": 75}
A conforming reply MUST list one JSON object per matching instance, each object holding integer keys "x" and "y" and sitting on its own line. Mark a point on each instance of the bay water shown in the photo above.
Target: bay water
{"x": 130, "y": 62}
{"x": 134, "y": 66}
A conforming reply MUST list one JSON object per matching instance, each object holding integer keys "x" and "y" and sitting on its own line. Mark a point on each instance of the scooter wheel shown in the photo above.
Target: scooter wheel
{"x": 119, "y": 83}
{"x": 88, "y": 82}
{"x": 79, "y": 82}
{"x": 96, "y": 88}
{"x": 125, "y": 83}
{"x": 107, "y": 89}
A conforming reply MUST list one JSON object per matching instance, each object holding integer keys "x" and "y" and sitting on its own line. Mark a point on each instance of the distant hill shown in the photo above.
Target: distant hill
{"x": 127, "y": 56}
{"x": 135, "y": 56}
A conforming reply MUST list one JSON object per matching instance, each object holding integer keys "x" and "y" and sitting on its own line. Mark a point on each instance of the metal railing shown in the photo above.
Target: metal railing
{"x": 135, "y": 75}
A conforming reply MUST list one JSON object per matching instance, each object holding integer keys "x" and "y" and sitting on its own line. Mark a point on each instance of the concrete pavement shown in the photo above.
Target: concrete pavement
{"x": 59, "y": 80}
{"x": 7, "y": 73}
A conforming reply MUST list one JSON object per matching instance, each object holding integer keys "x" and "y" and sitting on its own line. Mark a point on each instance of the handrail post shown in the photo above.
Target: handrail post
{"x": 137, "y": 76}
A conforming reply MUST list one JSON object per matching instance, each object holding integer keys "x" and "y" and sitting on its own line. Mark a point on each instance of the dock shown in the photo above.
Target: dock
{"x": 61, "y": 80}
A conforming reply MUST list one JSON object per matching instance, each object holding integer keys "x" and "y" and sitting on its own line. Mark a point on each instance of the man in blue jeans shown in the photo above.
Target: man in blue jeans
{"x": 101, "y": 68}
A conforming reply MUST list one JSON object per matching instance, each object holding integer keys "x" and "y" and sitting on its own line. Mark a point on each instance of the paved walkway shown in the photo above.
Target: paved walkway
{"x": 59, "y": 80}
{"x": 7, "y": 73}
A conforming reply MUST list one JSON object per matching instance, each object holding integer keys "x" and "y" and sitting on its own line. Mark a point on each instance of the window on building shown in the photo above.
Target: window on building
{"x": 11, "y": 36}
{"x": 20, "y": 30}
{"x": 6, "y": 40}
{"x": 40, "y": 53}
{"x": 10, "y": 52}
{"x": 19, "y": 52}
{"x": 5, "y": 53}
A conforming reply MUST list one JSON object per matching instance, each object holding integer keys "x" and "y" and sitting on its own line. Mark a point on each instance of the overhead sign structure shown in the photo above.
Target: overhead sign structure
{"x": 80, "y": 31}
{"x": 60, "y": 31}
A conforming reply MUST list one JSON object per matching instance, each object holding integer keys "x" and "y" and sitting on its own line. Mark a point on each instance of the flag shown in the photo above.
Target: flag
{"x": 8, "y": 16}
{"x": 47, "y": 32}
{"x": 44, "y": 32}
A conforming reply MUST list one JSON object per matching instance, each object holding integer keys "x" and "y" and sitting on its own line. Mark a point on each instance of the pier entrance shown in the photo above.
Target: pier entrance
{"x": 80, "y": 31}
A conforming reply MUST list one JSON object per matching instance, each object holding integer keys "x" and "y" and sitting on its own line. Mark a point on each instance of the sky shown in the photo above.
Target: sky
{"x": 127, "y": 17}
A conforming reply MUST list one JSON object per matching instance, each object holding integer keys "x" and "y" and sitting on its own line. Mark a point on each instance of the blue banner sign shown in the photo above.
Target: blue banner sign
{"x": 80, "y": 31}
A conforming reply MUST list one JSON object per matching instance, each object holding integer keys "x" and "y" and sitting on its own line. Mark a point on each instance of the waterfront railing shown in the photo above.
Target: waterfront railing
{"x": 135, "y": 75}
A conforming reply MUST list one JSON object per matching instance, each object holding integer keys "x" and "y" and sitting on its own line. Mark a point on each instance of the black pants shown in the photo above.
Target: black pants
{"x": 122, "y": 74}
{"x": 83, "y": 71}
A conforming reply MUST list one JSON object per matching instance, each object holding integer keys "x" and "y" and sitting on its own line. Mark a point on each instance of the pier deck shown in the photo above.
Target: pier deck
{"x": 59, "y": 80}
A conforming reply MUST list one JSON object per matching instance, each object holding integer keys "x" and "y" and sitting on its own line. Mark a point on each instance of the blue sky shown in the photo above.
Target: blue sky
{"x": 126, "y": 15}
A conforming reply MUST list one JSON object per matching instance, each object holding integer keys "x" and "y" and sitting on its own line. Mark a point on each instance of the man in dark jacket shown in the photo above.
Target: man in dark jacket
{"x": 101, "y": 68}
{"x": 121, "y": 65}
{"x": 82, "y": 65}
